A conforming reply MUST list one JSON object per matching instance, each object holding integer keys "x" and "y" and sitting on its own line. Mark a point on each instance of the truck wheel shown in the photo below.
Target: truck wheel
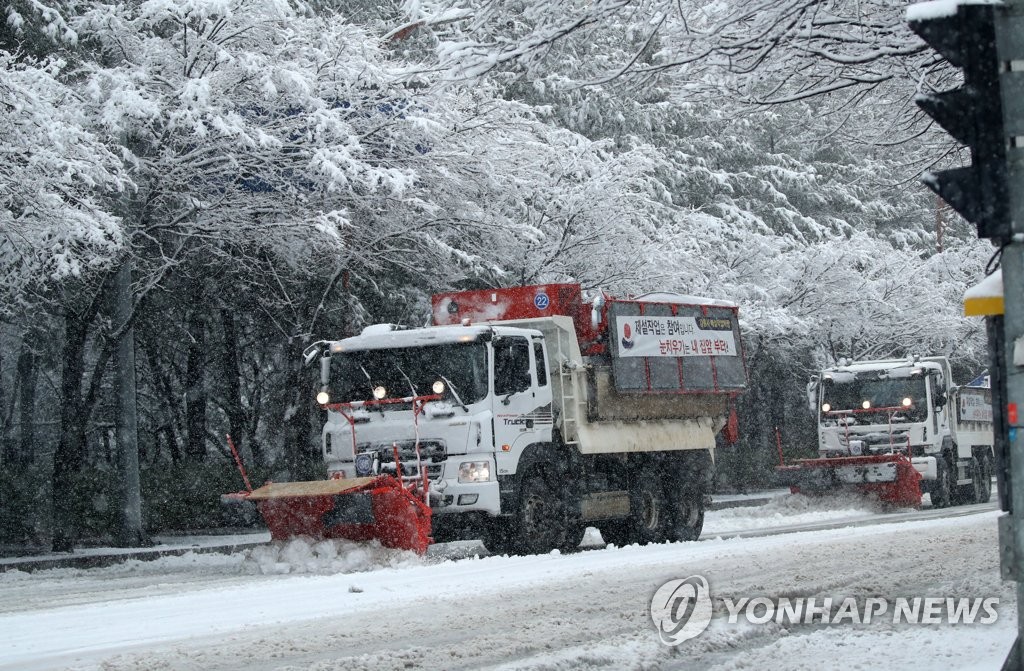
{"x": 688, "y": 517}
{"x": 650, "y": 509}
{"x": 942, "y": 488}
{"x": 575, "y": 527}
{"x": 968, "y": 493}
{"x": 499, "y": 536}
{"x": 618, "y": 533}
{"x": 574, "y": 534}
{"x": 984, "y": 471}
{"x": 541, "y": 520}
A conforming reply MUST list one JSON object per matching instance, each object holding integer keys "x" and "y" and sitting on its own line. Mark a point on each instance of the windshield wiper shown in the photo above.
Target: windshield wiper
{"x": 455, "y": 394}
{"x": 412, "y": 387}
{"x": 370, "y": 380}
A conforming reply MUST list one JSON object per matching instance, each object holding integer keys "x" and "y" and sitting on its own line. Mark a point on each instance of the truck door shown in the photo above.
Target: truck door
{"x": 522, "y": 399}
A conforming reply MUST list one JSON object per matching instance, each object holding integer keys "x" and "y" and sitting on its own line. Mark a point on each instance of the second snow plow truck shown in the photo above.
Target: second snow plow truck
{"x": 899, "y": 428}
{"x": 521, "y": 417}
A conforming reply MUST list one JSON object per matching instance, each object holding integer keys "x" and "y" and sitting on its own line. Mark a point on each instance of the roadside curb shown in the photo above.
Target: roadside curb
{"x": 110, "y": 556}
{"x": 99, "y": 557}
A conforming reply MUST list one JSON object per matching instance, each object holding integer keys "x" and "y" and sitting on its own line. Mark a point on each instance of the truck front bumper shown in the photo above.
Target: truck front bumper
{"x": 926, "y": 466}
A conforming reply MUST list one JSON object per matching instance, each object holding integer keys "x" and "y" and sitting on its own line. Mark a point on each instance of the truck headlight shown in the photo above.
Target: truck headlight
{"x": 474, "y": 471}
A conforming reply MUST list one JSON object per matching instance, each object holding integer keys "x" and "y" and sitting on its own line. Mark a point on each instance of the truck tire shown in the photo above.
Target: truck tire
{"x": 540, "y": 521}
{"x": 942, "y": 489}
{"x": 650, "y": 508}
{"x": 687, "y": 516}
{"x": 984, "y": 488}
{"x": 575, "y": 527}
{"x": 574, "y": 534}
{"x": 963, "y": 494}
{"x": 499, "y": 537}
{"x": 618, "y": 533}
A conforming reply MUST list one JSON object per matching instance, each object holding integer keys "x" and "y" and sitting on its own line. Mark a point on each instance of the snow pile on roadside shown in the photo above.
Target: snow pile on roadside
{"x": 791, "y": 509}
{"x": 305, "y": 555}
{"x": 592, "y": 539}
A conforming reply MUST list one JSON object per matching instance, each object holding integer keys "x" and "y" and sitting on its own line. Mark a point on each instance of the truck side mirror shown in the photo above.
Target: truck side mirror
{"x": 940, "y": 399}
{"x": 325, "y": 369}
{"x": 311, "y": 352}
{"x": 812, "y": 395}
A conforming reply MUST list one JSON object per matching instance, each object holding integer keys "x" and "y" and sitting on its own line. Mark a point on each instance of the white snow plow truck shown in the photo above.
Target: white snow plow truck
{"x": 521, "y": 417}
{"x": 899, "y": 428}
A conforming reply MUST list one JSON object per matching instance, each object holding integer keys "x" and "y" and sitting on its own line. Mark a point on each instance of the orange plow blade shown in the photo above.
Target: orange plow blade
{"x": 890, "y": 477}
{"x": 358, "y": 509}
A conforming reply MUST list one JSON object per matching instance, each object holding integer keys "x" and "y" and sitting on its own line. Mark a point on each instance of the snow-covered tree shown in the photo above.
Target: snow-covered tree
{"x": 54, "y": 221}
{"x": 59, "y": 234}
{"x": 278, "y": 171}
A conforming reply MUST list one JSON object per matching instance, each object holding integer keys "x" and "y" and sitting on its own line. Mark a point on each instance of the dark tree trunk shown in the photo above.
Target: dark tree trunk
{"x": 255, "y": 407}
{"x": 300, "y": 454}
{"x": 6, "y": 446}
{"x": 70, "y": 455}
{"x": 233, "y": 406}
{"x": 162, "y": 382}
{"x": 28, "y": 375}
{"x": 195, "y": 382}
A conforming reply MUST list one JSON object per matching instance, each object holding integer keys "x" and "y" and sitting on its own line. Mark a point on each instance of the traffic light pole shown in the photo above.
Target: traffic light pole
{"x": 985, "y": 40}
{"x": 1010, "y": 47}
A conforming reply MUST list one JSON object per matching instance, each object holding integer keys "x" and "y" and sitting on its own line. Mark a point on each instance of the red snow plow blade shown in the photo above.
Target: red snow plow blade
{"x": 890, "y": 477}
{"x": 357, "y": 509}
{"x": 378, "y": 507}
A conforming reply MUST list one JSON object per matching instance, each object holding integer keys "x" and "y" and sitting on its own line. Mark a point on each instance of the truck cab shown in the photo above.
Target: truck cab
{"x": 472, "y": 398}
{"x": 882, "y": 407}
{"x": 907, "y": 406}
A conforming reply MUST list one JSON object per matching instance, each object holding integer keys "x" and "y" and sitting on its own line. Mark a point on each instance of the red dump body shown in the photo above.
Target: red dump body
{"x": 540, "y": 300}
{"x": 690, "y": 344}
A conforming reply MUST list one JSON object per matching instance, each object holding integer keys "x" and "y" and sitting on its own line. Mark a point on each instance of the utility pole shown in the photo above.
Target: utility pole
{"x": 127, "y": 489}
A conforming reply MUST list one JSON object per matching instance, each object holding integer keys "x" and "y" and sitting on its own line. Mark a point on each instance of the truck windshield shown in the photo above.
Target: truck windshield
{"x": 402, "y": 372}
{"x": 876, "y": 393}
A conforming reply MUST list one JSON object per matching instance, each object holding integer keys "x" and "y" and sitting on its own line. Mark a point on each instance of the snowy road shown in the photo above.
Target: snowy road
{"x": 367, "y": 609}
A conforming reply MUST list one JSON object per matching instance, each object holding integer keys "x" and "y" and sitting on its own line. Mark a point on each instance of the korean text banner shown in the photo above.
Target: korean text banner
{"x": 681, "y": 336}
